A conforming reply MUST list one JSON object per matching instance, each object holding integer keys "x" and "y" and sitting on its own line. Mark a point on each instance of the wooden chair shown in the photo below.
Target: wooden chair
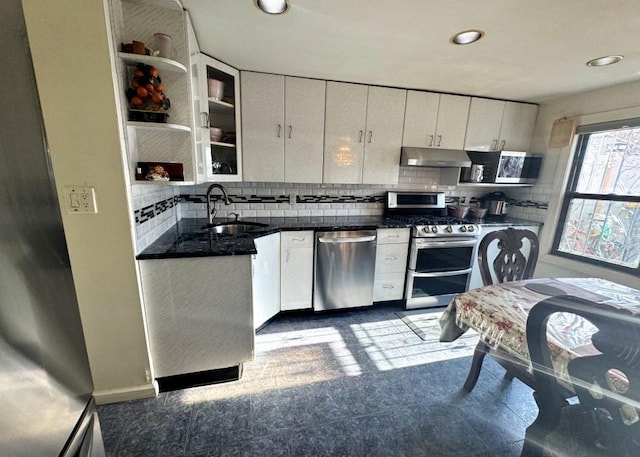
{"x": 510, "y": 264}
{"x": 606, "y": 421}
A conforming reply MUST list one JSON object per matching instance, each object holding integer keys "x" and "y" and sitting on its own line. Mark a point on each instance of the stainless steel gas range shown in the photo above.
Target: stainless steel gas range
{"x": 442, "y": 249}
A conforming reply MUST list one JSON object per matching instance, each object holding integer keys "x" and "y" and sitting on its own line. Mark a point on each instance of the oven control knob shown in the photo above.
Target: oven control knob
{"x": 425, "y": 229}
{"x": 470, "y": 228}
{"x": 449, "y": 229}
{"x": 463, "y": 228}
{"x": 434, "y": 229}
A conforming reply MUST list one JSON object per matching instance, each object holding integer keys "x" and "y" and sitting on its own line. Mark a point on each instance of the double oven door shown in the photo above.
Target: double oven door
{"x": 439, "y": 268}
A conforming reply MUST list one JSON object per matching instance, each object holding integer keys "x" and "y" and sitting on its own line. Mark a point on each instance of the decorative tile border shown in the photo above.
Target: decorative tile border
{"x": 513, "y": 202}
{"x": 530, "y": 204}
{"x": 149, "y": 212}
{"x": 340, "y": 199}
{"x": 237, "y": 198}
{"x": 287, "y": 198}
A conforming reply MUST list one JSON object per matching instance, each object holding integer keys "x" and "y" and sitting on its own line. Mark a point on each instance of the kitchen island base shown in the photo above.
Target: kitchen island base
{"x": 199, "y": 313}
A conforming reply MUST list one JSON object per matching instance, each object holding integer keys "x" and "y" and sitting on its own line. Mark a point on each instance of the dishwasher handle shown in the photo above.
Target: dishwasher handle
{"x": 355, "y": 239}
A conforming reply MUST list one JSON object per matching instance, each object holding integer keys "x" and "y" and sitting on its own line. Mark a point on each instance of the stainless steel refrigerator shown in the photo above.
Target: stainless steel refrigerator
{"x": 46, "y": 405}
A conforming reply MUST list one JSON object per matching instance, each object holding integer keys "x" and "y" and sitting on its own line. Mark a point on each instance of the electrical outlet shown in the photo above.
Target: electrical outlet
{"x": 80, "y": 199}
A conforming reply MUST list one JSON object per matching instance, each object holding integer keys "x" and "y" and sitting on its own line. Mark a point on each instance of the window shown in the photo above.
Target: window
{"x": 600, "y": 218}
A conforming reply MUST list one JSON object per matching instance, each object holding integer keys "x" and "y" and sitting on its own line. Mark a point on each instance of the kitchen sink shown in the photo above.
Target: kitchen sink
{"x": 234, "y": 228}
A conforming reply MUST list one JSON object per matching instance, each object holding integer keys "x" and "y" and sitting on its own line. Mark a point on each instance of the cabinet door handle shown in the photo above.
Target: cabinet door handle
{"x": 298, "y": 239}
{"x": 390, "y": 258}
{"x": 370, "y": 135}
{"x": 431, "y": 140}
{"x": 439, "y": 141}
{"x": 204, "y": 118}
{"x": 360, "y": 137}
{"x": 387, "y": 286}
{"x": 279, "y": 130}
{"x": 290, "y": 130}
{"x": 494, "y": 145}
{"x": 504, "y": 142}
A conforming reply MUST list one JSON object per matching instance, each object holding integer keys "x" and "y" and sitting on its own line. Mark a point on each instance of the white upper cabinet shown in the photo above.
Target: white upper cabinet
{"x": 363, "y": 134}
{"x": 304, "y": 136}
{"x": 518, "y": 123}
{"x": 217, "y": 158}
{"x": 435, "y": 120}
{"x": 483, "y": 128}
{"x": 385, "y": 119}
{"x": 283, "y": 120}
{"x": 263, "y": 126}
{"x": 496, "y": 125}
{"x": 345, "y": 123}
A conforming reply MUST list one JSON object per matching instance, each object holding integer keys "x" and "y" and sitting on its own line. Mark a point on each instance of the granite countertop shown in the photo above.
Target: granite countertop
{"x": 188, "y": 239}
{"x": 504, "y": 220}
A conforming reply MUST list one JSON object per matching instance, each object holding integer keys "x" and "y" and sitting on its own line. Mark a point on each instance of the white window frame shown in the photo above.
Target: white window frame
{"x": 553, "y": 265}
{"x": 571, "y": 192}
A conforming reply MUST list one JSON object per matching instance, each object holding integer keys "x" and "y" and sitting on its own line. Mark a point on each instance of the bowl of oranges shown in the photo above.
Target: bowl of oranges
{"x": 147, "y": 100}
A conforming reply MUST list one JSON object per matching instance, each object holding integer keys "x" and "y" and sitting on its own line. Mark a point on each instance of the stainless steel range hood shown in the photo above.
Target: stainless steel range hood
{"x": 428, "y": 157}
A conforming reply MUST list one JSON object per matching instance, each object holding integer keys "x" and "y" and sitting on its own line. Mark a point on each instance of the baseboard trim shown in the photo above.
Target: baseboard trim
{"x": 104, "y": 397}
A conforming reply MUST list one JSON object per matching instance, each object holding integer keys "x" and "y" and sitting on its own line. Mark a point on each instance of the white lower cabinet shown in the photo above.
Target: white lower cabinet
{"x": 476, "y": 279}
{"x": 198, "y": 312}
{"x": 296, "y": 264}
{"x": 391, "y": 264}
{"x": 265, "y": 268}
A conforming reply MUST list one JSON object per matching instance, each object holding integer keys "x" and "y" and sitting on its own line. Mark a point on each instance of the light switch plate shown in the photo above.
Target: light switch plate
{"x": 80, "y": 199}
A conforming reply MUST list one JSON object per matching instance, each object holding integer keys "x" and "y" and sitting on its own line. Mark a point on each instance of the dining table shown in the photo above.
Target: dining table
{"x": 499, "y": 314}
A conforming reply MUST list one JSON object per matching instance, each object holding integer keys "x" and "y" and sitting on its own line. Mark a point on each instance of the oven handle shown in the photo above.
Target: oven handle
{"x": 420, "y": 243}
{"x": 439, "y": 274}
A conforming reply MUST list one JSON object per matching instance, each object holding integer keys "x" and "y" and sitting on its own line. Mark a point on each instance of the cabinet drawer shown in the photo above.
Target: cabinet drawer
{"x": 303, "y": 239}
{"x": 388, "y": 287}
{"x": 391, "y": 258}
{"x": 400, "y": 235}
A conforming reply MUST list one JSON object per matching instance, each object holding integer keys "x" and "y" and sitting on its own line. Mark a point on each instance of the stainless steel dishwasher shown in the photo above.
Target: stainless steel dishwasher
{"x": 345, "y": 265}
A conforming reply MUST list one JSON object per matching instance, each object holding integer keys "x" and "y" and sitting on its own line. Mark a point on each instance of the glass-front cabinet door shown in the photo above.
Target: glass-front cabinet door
{"x": 217, "y": 140}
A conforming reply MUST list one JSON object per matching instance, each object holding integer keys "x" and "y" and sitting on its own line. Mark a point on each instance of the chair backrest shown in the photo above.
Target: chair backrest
{"x": 511, "y": 263}
{"x": 607, "y": 384}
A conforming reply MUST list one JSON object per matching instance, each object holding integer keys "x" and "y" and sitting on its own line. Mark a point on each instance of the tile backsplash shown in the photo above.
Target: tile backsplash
{"x": 157, "y": 208}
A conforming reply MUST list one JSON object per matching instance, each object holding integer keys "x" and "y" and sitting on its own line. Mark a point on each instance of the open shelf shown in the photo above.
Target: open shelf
{"x": 158, "y": 126}
{"x": 219, "y": 107}
{"x": 160, "y": 63}
{"x": 224, "y": 145}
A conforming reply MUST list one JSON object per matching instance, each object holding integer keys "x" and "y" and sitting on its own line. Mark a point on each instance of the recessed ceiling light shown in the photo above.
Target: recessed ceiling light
{"x": 602, "y": 61}
{"x": 273, "y": 6}
{"x": 467, "y": 37}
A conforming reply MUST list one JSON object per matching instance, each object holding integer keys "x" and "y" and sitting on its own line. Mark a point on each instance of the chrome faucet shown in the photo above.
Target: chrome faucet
{"x": 225, "y": 196}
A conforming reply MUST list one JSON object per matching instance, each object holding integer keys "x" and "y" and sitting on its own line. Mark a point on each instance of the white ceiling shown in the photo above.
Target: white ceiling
{"x": 532, "y": 50}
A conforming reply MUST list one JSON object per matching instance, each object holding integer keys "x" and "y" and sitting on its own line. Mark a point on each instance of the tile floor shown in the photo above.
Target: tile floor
{"x": 354, "y": 383}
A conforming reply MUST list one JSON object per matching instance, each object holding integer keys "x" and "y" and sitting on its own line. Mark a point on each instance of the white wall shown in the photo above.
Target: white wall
{"x": 616, "y": 102}
{"x": 70, "y": 50}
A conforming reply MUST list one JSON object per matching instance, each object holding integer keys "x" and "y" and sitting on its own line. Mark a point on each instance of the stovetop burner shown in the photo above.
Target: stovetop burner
{"x": 423, "y": 219}
{"x": 429, "y": 225}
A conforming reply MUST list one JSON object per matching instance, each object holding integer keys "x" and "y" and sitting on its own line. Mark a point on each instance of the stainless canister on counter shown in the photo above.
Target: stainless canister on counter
{"x": 497, "y": 203}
